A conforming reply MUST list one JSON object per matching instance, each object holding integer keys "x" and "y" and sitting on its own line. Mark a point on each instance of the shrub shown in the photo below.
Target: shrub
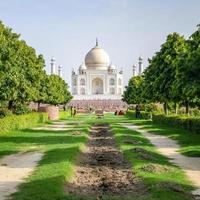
{"x": 64, "y": 114}
{"x": 15, "y": 122}
{"x": 188, "y": 123}
{"x": 21, "y": 109}
{"x": 4, "y": 112}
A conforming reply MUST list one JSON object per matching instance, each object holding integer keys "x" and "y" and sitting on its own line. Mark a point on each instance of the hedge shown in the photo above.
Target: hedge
{"x": 188, "y": 123}
{"x": 15, "y": 122}
{"x": 64, "y": 114}
{"x": 184, "y": 122}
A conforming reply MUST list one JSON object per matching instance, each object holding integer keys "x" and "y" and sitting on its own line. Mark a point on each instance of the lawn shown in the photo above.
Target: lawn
{"x": 189, "y": 142}
{"x": 61, "y": 150}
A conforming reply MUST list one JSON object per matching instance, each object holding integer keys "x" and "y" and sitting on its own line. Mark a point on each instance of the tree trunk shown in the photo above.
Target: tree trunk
{"x": 38, "y": 106}
{"x": 187, "y": 107}
{"x": 175, "y": 108}
{"x": 165, "y": 108}
{"x": 10, "y": 105}
{"x": 64, "y": 107}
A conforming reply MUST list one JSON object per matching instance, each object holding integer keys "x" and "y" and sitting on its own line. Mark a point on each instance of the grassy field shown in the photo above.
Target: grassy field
{"x": 61, "y": 150}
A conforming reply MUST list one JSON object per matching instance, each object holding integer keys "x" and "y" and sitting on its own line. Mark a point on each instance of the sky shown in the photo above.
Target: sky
{"x": 126, "y": 29}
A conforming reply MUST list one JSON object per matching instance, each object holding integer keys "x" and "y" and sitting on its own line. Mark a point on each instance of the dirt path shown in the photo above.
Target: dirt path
{"x": 14, "y": 169}
{"x": 102, "y": 170}
{"x": 169, "y": 148}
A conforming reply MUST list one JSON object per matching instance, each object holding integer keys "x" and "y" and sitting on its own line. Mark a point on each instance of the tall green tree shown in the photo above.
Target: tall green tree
{"x": 133, "y": 92}
{"x": 57, "y": 90}
{"x": 160, "y": 75}
{"x": 187, "y": 81}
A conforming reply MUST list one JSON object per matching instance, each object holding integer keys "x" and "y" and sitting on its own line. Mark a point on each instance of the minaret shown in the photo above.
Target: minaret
{"x": 134, "y": 70}
{"x": 140, "y": 65}
{"x": 53, "y": 66}
{"x": 60, "y": 71}
{"x": 97, "y": 43}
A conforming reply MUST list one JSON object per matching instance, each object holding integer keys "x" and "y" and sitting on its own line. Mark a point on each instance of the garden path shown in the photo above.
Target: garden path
{"x": 170, "y": 148}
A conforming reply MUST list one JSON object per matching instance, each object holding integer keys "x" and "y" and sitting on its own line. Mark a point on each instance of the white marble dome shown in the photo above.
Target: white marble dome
{"x": 97, "y": 58}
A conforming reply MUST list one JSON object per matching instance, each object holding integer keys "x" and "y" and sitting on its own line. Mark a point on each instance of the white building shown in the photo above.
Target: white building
{"x": 97, "y": 78}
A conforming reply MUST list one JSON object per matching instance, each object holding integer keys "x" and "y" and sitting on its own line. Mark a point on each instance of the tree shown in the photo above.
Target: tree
{"x": 187, "y": 81}
{"x": 22, "y": 75}
{"x": 160, "y": 75}
{"x": 133, "y": 92}
{"x": 57, "y": 92}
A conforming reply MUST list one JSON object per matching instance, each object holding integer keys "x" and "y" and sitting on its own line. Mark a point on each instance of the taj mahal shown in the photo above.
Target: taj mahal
{"x": 97, "y": 77}
{"x": 97, "y": 82}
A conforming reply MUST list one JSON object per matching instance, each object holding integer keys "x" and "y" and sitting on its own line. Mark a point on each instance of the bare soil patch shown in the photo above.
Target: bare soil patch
{"x": 103, "y": 170}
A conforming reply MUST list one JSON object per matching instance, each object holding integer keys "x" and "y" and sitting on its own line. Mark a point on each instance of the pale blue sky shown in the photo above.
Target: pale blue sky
{"x": 66, "y": 29}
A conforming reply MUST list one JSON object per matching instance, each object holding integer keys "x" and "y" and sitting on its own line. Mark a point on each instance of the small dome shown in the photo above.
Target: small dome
{"x": 97, "y": 58}
{"x": 140, "y": 58}
{"x": 112, "y": 67}
{"x": 53, "y": 59}
{"x": 82, "y": 66}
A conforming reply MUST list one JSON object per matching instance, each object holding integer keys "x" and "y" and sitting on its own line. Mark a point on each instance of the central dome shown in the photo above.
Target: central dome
{"x": 97, "y": 58}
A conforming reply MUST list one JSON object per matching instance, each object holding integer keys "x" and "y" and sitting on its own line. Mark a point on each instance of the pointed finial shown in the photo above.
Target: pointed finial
{"x": 97, "y": 42}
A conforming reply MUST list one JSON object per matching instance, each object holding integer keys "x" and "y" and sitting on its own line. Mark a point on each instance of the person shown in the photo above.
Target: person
{"x": 137, "y": 111}
{"x": 74, "y": 111}
{"x": 71, "y": 110}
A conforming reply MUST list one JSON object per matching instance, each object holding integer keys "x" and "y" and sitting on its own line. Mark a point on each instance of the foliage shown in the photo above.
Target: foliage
{"x": 57, "y": 92}
{"x": 5, "y": 112}
{"x": 132, "y": 93}
{"x": 172, "y": 77}
{"x": 22, "y": 75}
{"x": 14, "y": 122}
{"x": 64, "y": 114}
{"x": 187, "y": 123}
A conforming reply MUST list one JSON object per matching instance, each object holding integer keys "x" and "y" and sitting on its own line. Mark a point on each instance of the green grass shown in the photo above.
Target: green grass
{"x": 153, "y": 180}
{"x": 189, "y": 141}
{"x": 61, "y": 150}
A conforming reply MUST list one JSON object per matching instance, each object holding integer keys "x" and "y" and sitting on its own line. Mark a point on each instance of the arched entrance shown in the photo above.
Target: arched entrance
{"x": 97, "y": 86}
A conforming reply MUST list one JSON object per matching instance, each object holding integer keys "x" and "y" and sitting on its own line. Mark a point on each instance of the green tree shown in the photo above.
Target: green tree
{"x": 133, "y": 92}
{"x": 187, "y": 81}
{"x": 57, "y": 90}
{"x": 160, "y": 75}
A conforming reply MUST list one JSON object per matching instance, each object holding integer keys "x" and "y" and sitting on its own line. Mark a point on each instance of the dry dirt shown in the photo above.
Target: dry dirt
{"x": 14, "y": 169}
{"x": 103, "y": 170}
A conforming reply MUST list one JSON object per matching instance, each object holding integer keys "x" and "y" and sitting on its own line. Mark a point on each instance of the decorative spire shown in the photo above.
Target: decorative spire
{"x": 53, "y": 66}
{"x": 134, "y": 70}
{"x": 140, "y": 65}
{"x": 60, "y": 71}
{"x": 97, "y": 43}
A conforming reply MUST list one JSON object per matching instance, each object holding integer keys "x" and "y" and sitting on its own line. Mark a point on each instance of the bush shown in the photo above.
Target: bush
{"x": 188, "y": 123}
{"x": 21, "y": 109}
{"x": 64, "y": 114}
{"x": 4, "y": 112}
{"x": 15, "y": 122}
